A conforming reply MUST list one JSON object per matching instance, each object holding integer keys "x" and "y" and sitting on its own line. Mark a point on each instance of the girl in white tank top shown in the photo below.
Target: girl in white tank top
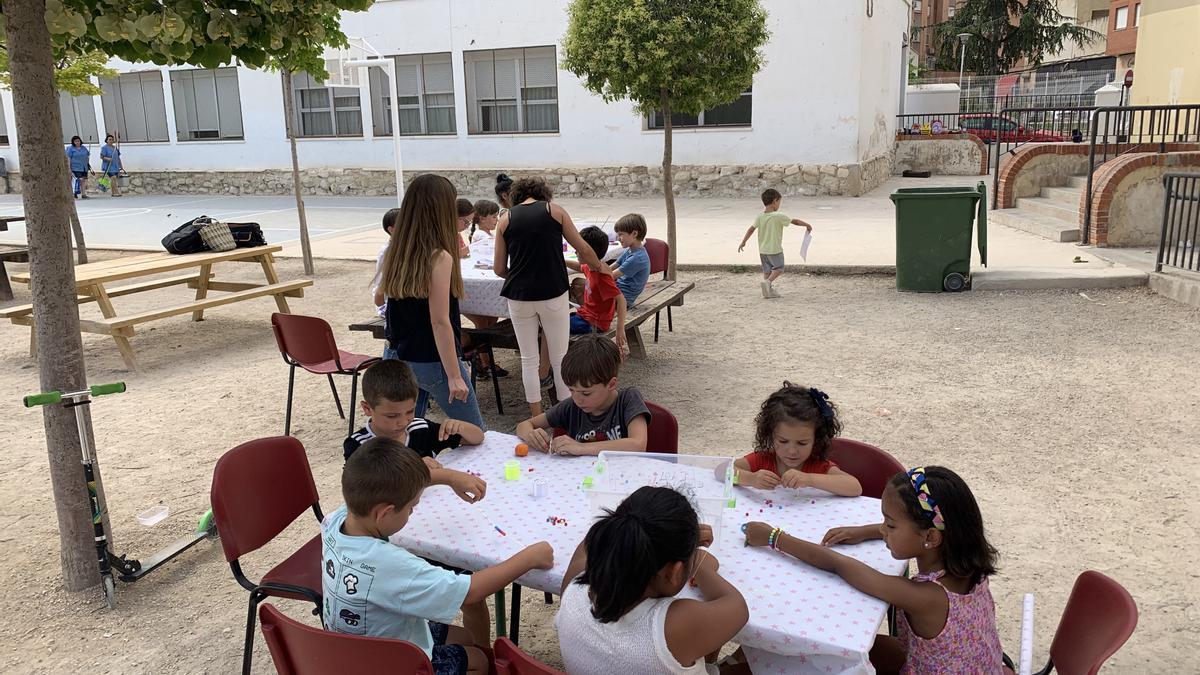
{"x": 619, "y": 613}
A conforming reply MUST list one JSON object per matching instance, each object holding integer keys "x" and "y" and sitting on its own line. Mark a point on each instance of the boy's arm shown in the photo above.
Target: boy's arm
{"x": 487, "y": 582}
{"x": 572, "y": 265}
{"x": 745, "y": 239}
{"x": 469, "y": 488}
{"x": 470, "y": 434}
{"x": 619, "y": 337}
{"x": 533, "y": 432}
{"x": 797, "y": 221}
{"x": 639, "y": 432}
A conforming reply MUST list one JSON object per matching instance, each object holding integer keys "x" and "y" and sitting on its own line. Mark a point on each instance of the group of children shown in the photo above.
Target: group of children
{"x": 619, "y": 611}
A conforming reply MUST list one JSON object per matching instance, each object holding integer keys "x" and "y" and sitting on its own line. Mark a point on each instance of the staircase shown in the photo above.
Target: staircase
{"x": 1053, "y": 215}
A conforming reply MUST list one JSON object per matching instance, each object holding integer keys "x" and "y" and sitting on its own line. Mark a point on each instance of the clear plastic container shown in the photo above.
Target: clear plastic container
{"x": 154, "y": 515}
{"x": 706, "y": 481}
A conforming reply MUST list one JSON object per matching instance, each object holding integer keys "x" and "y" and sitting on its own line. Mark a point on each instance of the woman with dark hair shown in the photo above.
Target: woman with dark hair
{"x": 110, "y": 164}
{"x": 422, "y": 284}
{"x": 503, "y": 189}
{"x": 79, "y": 158}
{"x": 529, "y": 257}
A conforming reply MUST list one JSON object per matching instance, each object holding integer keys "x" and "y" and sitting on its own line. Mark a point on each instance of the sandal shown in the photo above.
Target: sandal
{"x": 500, "y": 372}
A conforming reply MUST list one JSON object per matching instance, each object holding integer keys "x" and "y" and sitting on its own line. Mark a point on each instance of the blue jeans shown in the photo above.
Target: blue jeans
{"x": 431, "y": 378}
{"x": 580, "y": 325}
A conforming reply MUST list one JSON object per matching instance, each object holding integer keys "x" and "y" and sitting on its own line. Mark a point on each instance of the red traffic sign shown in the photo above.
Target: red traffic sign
{"x": 1128, "y": 78}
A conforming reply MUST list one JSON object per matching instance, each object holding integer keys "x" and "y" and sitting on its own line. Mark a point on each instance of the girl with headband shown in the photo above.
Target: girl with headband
{"x": 794, "y": 432}
{"x": 946, "y": 620}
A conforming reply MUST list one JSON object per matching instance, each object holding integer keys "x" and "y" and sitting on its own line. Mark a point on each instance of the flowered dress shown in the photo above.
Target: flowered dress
{"x": 969, "y": 643}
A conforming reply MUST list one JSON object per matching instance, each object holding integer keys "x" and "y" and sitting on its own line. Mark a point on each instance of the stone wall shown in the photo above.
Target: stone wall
{"x": 604, "y": 182}
{"x": 943, "y": 155}
{"x": 1128, "y": 192}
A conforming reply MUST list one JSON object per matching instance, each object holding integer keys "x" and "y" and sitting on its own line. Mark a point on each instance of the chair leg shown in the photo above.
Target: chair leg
{"x": 248, "y": 648}
{"x": 353, "y": 399}
{"x": 501, "y": 629}
{"x": 495, "y": 380}
{"x": 549, "y": 598}
{"x": 287, "y": 420}
{"x": 336, "y": 399}
{"x": 514, "y": 624}
{"x": 670, "y": 323}
{"x": 656, "y": 317}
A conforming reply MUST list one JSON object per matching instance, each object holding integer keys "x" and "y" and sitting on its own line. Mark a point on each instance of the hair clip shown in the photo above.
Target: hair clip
{"x": 821, "y": 399}
{"x": 928, "y": 504}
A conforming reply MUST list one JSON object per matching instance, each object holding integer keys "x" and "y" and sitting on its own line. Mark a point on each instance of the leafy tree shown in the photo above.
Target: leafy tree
{"x": 72, "y": 73}
{"x": 672, "y": 56}
{"x": 1004, "y": 32}
{"x": 289, "y": 34}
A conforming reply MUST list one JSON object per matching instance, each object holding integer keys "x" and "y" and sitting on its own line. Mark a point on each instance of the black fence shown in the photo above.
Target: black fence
{"x": 1181, "y": 223}
{"x": 1014, "y": 127}
{"x": 934, "y": 124}
{"x": 1118, "y": 130}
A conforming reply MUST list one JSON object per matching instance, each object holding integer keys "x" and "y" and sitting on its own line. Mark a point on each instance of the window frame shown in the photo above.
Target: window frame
{"x": 476, "y": 106}
{"x": 380, "y": 128}
{"x": 118, "y": 122}
{"x": 649, "y": 120}
{"x": 308, "y": 83}
{"x": 178, "y": 101}
{"x": 1119, "y": 13}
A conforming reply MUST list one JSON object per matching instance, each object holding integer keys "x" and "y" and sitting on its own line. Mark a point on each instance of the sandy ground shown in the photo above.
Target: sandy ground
{"x": 1074, "y": 419}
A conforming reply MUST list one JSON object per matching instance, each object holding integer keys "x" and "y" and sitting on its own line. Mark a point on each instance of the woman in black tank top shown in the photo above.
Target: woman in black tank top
{"x": 529, "y": 256}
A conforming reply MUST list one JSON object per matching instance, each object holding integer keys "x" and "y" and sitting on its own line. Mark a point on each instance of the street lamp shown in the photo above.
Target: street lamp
{"x": 962, "y": 60}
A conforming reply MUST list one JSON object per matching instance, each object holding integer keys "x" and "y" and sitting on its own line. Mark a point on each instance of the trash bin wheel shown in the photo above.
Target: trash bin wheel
{"x": 954, "y": 282}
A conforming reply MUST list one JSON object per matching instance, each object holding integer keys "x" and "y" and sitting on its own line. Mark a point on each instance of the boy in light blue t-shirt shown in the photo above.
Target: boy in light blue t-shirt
{"x": 375, "y": 588}
{"x": 632, "y": 269}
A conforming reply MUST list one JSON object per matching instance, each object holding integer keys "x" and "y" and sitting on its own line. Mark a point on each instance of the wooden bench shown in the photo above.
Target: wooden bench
{"x": 7, "y": 256}
{"x": 91, "y": 286}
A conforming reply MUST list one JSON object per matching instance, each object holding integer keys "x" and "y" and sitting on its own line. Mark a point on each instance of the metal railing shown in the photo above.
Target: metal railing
{"x": 1117, "y": 130}
{"x": 993, "y": 104}
{"x": 937, "y": 123}
{"x": 1181, "y": 223}
{"x": 1016, "y": 127}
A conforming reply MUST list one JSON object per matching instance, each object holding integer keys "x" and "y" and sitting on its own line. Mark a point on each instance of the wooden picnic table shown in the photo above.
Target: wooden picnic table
{"x": 10, "y": 255}
{"x": 657, "y": 296}
{"x": 93, "y": 283}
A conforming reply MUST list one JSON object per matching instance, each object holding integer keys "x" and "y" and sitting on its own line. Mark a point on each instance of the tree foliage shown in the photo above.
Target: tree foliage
{"x": 73, "y": 73}
{"x": 703, "y": 52}
{"x": 1004, "y": 32}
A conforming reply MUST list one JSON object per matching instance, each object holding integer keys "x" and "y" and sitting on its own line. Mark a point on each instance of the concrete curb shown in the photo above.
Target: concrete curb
{"x": 1044, "y": 278}
{"x": 839, "y": 270}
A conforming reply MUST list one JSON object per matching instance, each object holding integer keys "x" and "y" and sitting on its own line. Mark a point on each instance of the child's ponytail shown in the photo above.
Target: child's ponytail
{"x": 652, "y": 528}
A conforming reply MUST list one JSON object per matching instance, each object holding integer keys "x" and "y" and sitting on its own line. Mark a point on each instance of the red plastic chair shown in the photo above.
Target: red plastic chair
{"x": 663, "y": 435}
{"x": 259, "y": 488}
{"x": 510, "y": 660}
{"x": 1099, "y": 617}
{"x": 307, "y": 342}
{"x": 659, "y": 253}
{"x": 871, "y": 466}
{"x": 299, "y": 649}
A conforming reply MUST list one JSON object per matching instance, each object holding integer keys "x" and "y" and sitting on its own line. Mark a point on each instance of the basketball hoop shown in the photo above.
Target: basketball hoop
{"x": 339, "y": 68}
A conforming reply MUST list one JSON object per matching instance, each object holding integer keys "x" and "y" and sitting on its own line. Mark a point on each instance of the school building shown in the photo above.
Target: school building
{"x": 480, "y": 90}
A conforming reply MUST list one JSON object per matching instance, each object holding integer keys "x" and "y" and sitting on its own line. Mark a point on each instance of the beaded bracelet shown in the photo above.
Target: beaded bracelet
{"x": 773, "y": 538}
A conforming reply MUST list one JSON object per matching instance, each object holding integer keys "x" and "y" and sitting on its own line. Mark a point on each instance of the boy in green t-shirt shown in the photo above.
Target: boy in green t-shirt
{"x": 770, "y": 224}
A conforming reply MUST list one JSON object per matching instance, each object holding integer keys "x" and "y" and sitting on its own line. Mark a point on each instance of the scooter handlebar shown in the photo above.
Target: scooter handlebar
{"x": 104, "y": 389}
{"x": 48, "y": 398}
{"x": 52, "y": 397}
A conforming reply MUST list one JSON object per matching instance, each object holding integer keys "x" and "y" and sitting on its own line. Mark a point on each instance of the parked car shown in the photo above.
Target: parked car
{"x": 992, "y": 128}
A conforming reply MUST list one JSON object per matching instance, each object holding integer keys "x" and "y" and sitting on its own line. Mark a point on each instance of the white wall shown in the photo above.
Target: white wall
{"x": 828, "y": 93}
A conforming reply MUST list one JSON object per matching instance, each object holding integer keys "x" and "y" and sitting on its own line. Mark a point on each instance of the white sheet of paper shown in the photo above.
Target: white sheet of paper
{"x": 804, "y": 246}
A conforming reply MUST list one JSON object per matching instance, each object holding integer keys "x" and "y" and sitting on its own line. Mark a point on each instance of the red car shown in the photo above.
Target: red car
{"x": 991, "y": 128}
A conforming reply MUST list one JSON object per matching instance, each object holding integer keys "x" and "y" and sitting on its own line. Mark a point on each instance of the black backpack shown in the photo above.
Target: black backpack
{"x": 186, "y": 238}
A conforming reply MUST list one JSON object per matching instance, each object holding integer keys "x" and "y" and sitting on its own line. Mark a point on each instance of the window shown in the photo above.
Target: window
{"x": 134, "y": 107}
{"x": 950, "y": 11}
{"x": 78, "y": 117}
{"x": 1122, "y": 18}
{"x": 736, "y": 114}
{"x": 916, "y": 5}
{"x": 208, "y": 105}
{"x": 325, "y": 111}
{"x": 512, "y": 90}
{"x": 1137, "y": 15}
{"x": 425, "y": 84}
{"x": 3, "y": 125}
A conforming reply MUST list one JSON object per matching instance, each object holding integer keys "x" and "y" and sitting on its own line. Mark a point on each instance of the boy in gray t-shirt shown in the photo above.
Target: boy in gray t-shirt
{"x": 598, "y": 416}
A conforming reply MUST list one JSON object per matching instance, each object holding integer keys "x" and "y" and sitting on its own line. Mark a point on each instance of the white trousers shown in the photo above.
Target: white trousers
{"x": 554, "y": 317}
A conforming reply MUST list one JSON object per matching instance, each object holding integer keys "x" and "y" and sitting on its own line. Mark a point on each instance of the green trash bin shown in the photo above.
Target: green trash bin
{"x": 933, "y": 236}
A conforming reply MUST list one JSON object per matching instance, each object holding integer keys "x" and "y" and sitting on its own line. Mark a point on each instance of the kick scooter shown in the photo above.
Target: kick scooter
{"x": 126, "y": 569}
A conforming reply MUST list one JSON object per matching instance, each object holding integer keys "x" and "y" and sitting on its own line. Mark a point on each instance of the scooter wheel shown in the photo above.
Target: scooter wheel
{"x": 207, "y": 525}
{"x": 110, "y": 591}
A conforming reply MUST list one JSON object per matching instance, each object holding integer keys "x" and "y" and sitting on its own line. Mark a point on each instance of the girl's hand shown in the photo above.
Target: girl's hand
{"x": 622, "y": 344}
{"x": 706, "y": 535}
{"x": 431, "y": 463}
{"x": 708, "y": 564}
{"x": 850, "y": 535}
{"x": 458, "y": 388}
{"x": 763, "y": 479}
{"x": 795, "y": 478}
{"x": 758, "y": 534}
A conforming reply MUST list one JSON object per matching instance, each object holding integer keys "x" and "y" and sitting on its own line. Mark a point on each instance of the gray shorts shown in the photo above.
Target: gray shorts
{"x": 771, "y": 262}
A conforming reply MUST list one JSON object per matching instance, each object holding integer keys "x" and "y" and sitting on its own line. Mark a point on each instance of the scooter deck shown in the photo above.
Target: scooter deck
{"x": 175, "y": 548}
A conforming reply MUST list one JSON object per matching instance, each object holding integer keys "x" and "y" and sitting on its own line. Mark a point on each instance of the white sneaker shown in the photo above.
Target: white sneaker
{"x": 772, "y": 293}
{"x": 766, "y": 289}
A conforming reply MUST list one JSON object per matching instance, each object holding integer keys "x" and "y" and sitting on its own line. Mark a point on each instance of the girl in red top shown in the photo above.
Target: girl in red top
{"x": 794, "y": 431}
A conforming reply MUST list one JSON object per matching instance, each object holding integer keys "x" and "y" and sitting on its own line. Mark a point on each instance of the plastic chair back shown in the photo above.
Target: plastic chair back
{"x": 307, "y": 340}
{"x": 659, "y": 253}
{"x": 258, "y": 489}
{"x": 871, "y": 466}
{"x": 510, "y": 660}
{"x": 1099, "y": 617}
{"x": 299, "y": 649}
{"x": 663, "y": 434}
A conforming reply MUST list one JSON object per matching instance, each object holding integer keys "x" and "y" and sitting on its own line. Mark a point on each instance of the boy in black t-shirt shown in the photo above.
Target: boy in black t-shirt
{"x": 598, "y": 416}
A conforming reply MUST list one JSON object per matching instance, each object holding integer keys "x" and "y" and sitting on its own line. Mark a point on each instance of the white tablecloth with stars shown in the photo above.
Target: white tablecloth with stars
{"x": 802, "y": 620}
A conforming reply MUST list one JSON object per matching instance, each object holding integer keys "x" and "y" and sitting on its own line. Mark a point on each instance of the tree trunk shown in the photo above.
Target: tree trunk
{"x": 668, "y": 182}
{"x": 46, "y": 197}
{"x": 77, "y": 229}
{"x": 290, "y": 123}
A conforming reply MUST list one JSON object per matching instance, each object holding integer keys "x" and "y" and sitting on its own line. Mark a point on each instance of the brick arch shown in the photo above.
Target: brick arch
{"x": 1005, "y": 193}
{"x": 1107, "y": 180}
